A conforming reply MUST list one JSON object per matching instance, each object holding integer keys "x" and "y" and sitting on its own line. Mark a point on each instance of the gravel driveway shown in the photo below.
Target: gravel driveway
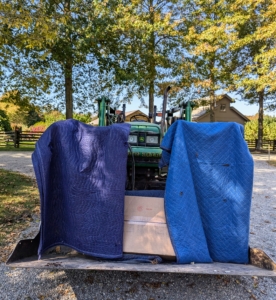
{"x": 40, "y": 284}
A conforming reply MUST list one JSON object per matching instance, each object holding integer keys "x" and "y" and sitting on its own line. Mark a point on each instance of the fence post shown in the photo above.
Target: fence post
{"x": 274, "y": 145}
{"x": 16, "y": 139}
{"x": 256, "y": 143}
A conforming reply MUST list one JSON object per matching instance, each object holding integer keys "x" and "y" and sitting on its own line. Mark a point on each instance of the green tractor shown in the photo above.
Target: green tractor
{"x": 143, "y": 172}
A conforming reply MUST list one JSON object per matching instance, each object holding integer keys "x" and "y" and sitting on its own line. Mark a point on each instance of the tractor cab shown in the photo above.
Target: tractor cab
{"x": 146, "y": 133}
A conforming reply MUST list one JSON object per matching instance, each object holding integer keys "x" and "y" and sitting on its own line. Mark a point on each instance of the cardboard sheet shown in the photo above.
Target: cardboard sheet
{"x": 145, "y": 228}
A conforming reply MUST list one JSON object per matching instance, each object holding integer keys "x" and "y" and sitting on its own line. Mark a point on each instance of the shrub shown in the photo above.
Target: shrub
{"x": 269, "y": 129}
{"x": 85, "y": 118}
{"x": 4, "y": 121}
{"x": 39, "y": 126}
{"x": 53, "y": 117}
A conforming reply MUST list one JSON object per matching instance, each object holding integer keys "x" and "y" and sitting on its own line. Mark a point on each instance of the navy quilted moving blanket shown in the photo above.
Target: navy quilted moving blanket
{"x": 208, "y": 191}
{"x": 81, "y": 175}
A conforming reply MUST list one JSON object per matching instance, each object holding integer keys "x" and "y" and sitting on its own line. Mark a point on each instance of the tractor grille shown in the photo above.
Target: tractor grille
{"x": 139, "y": 159}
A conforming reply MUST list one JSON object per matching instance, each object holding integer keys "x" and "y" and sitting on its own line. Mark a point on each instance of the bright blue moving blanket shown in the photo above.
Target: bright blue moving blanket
{"x": 81, "y": 175}
{"x": 208, "y": 191}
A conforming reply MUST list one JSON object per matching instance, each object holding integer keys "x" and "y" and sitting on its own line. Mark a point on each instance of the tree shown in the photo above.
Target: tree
{"x": 59, "y": 47}
{"x": 19, "y": 109}
{"x": 254, "y": 44}
{"x": 32, "y": 117}
{"x": 154, "y": 51}
{"x": 148, "y": 31}
{"x": 205, "y": 66}
{"x": 4, "y": 121}
{"x": 269, "y": 129}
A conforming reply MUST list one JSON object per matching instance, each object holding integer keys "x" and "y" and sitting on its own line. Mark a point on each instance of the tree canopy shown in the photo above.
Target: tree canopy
{"x": 67, "y": 53}
{"x": 4, "y": 121}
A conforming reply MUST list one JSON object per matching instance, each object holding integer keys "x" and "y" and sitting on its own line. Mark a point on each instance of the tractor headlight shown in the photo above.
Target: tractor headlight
{"x": 152, "y": 139}
{"x": 132, "y": 139}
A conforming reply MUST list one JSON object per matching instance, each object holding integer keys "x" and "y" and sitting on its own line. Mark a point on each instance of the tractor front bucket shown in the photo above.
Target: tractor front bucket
{"x": 25, "y": 256}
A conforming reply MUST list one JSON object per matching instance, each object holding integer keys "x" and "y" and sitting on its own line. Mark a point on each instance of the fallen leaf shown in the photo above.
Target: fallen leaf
{"x": 263, "y": 292}
{"x": 89, "y": 279}
{"x": 191, "y": 285}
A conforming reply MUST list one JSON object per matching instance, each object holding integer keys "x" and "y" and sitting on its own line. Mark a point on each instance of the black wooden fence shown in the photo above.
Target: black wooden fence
{"x": 17, "y": 138}
{"x": 267, "y": 144}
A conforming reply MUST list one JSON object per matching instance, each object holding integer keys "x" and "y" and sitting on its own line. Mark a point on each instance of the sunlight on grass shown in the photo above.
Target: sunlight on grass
{"x": 23, "y": 147}
{"x": 19, "y": 200}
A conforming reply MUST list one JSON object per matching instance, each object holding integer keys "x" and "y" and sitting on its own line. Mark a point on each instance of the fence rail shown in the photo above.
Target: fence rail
{"x": 267, "y": 144}
{"x": 6, "y": 137}
{"x": 17, "y": 138}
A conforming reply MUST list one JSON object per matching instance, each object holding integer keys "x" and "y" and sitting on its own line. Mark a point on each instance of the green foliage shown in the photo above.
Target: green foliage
{"x": 60, "y": 48}
{"x": 32, "y": 117}
{"x": 49, "y": 118}
{"x": 82, "y": 49}
{"x": 4, "y": 121}
{"x": 85, "y": 118}
{"x": 53, "y": 117}
{"x": 19, "y": 109}
{"x": 251, "y": 130}
{"x": 151, "y": 38}
{"x": 269, "y": 129}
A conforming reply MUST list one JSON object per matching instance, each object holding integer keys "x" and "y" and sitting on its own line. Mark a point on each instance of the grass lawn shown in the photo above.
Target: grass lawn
{"x": 23, "y": 147}
{"x": 19, "y": 199}
{"x": 272, "y": 162}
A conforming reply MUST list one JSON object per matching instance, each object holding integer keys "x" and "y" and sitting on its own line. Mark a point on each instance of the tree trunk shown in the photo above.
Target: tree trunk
{"x": 69, "y": 89}
{"x": 212, "y": 106}
{"x": 151, "y": 96}
{"x": 68, "y": 69}
{"x": 260, "y": 120}
{"x": 152, "y": 71}
{"x": 212, "y": 89}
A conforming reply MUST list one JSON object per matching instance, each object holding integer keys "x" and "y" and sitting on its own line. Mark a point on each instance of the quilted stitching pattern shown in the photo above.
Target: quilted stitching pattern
{"x": 81, "y": 173}
{"x": 208, "y": 191}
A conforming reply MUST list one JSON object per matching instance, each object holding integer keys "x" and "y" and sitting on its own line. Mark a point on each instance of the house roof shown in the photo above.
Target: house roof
{"x": 130, "y": 112}
{"x": 200, "y": 111}
{"x": 127, "y": 113}
{"x": 203, "y": 110}
{"x": 239, "y": 113}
